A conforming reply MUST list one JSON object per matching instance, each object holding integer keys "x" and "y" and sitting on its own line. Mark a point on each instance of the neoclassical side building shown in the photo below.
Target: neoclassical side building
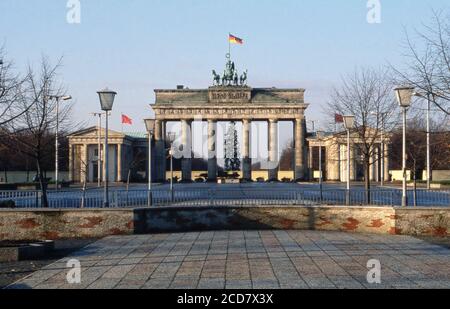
{"x": 334, "y": 157}
{"x": 126, "y": 152}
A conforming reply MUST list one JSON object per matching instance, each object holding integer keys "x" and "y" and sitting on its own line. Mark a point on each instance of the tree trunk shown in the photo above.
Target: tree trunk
{"x": 43, "y": 185}
{"x": 28, "y": 171}
{"x": 128, "y": 183}
{"x": 83, "y": 198}
{"x": 367, "y": 180}
{"x": 415, "y": 183}
{"x": 128, "y": 178}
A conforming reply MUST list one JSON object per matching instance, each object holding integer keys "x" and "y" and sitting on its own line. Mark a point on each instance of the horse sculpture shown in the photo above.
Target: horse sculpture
{"x": 216, "y": 78}
{"x": 235, "y": 79}
{"x": 243, "y": 79}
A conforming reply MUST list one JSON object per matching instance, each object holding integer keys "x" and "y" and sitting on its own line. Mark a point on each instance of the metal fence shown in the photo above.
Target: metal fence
{"x": 220, "y": 197}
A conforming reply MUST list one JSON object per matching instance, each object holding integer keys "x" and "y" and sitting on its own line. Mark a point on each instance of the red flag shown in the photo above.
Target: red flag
{"x": 338, "y": 118}
{"x": 126, "y": 120}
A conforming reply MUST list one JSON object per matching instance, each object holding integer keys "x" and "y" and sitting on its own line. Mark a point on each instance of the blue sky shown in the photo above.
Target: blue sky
{"x": 135, "y": 46}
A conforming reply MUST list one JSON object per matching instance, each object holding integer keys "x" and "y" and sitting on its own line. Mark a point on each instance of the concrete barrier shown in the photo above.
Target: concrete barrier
{"x": 91, "y": 223}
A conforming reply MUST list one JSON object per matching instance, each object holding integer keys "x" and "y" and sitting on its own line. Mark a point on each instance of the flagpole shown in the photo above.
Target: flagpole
{"x": 229, "y": 46}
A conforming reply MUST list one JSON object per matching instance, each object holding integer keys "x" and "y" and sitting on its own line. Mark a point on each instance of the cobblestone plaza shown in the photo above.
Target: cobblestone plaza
{"x": 250, "y": 259}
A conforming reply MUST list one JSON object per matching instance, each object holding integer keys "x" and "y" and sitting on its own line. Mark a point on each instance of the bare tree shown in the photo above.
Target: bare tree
{"x": 10, "y": 91}
{"x": 416, "y": 150}
{"x": 138, "y": 159}
{"x": 31, "y": 133}
{"x": 427, "y": 67}
{"x": 367, "y": 94}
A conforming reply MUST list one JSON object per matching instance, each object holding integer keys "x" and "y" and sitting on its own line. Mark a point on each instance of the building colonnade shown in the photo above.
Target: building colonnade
{"x": 185, "y": 146}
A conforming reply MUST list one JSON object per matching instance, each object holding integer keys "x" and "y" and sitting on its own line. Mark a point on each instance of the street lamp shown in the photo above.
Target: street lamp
{"x": 319, "y": 138}
{"x": 404, "y": 96}
{"x": 99, "y": 151}
{"x": 150, "y": 125}
{"x": 349, "y": 124}
{"x": 171, "y": 136}
{"x": 57, "y": 99}
{"x": 382, "y": 115}
{"x": 427, "y": 96}
{"x": 106, "y": 97}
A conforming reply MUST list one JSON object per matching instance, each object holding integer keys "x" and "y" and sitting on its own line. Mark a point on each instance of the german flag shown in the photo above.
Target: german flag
{"x": 235, "y": 40}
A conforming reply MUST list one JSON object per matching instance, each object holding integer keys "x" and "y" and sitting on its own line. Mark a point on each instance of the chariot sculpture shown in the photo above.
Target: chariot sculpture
{"x": 230, "y": 76}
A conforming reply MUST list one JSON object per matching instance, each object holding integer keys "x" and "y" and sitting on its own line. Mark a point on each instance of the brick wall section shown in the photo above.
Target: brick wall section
{"x": 351, "y": 219}
{"x": 87, "y": 223}
{"x": 60, "y": 224}
{"x": 423, "y": 221}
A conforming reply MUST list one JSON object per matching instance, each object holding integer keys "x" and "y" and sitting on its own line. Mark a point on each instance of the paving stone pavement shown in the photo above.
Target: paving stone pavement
{"x": 250, "y": 259}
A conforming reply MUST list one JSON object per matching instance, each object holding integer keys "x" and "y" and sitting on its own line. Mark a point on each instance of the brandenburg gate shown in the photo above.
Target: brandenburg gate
{"x": 230, "y": 99}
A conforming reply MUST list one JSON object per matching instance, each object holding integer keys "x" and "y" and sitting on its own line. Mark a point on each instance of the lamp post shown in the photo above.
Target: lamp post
{"x": 99, "y": 146}
{"x": 150, "y": 125}
{"x": 106, "y": 97}
{"x": 382, "y": 115}
{"x": 57, "y": 100}
{"x": 319, "y": 138}
{"x": 171, "y": 136}
{"x": 427, "y": 96}
{"x": 382, "y": 150}
{"x": 404, "y": 96}
{"x": 349, "y": 123}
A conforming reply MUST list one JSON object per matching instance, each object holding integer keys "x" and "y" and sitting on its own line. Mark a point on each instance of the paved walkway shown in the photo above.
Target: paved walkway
{"x": 251, "y": 259}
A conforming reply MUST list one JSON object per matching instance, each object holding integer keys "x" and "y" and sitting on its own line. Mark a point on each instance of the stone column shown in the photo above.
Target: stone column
{"x": 160, "y": 152}
{"x": 120, "y": 168}
{"x": 85, "y": 163}
{"x": 377, "y": 164}
{"x": 387, "y": 177}
{"x": 186, "y": 140}
{"x": 310, "y": 163}
{"x": 332, "y": 161}
{"x": 212, "y": 150}
{"x": 163, "y": 129}
{"x": 300, "y": 138}
{"x": 273, "y": 149}
{"x": 372, "y": 165}
{"x": 339, "y": 162}
{"x": 352, "y": 162}
{"x": 247, "y": 161}
{"x": 164, "y": 152}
